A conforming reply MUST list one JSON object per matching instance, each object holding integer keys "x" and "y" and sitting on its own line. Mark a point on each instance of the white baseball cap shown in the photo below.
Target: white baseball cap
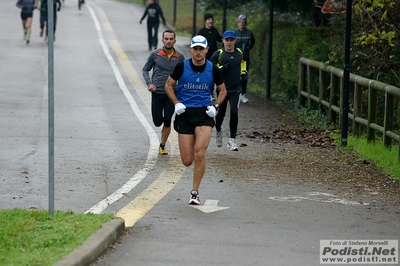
{"x": 199, "y": 40}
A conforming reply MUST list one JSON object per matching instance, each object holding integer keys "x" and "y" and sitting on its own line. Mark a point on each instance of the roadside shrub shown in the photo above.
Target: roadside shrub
{"x": 290, "y": 42}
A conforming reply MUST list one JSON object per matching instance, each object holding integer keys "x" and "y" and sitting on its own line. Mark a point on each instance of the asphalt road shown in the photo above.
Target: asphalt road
{"x": 106, "y": 158}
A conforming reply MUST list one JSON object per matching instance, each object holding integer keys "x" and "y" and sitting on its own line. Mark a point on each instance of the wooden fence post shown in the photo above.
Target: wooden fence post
{"x": 388, "y": 120}
{"x": 302, "y": 82}
{"x": 357, "y": 108}
{"x": 322, "y": 86}
{"x": 310, "y": 84}
{"x": 332, "y": 98}
{"x": 372, "y": 106}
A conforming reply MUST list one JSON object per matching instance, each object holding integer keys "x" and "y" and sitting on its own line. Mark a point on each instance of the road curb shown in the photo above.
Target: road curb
{"x": 95, "y": 245}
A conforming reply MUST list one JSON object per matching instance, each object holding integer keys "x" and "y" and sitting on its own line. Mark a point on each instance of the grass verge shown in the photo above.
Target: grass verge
{"x": 33, "y": 237}
{"x": 386, "y": 159}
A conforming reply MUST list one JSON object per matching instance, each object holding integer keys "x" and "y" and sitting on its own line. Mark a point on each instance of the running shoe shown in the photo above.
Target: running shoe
{"x": 232, "y": 145}
{"x": 244, "y": 98}
{"x": 194, "y": 198}
{"x": 162, "y": 150}
{"x": 41, "y": 33}
{"x": 27, "y": 41}
{"x": 218, "y": 137}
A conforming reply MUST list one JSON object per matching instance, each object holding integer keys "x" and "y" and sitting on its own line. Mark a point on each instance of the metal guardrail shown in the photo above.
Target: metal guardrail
{"x": 329, "y": 95}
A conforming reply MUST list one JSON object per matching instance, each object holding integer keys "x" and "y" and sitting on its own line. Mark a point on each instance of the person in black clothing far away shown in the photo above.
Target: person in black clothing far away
{"x": 212, "y": 35}
{"x": 153, "y": 11}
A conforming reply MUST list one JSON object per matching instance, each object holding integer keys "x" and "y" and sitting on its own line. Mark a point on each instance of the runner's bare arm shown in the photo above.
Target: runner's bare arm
{"x": 170, "y": 91}
{"x": 221, "y": 94}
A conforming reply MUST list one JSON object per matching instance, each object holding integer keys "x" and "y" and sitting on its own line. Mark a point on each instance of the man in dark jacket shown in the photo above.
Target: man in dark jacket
{"x": 212, "y": 35}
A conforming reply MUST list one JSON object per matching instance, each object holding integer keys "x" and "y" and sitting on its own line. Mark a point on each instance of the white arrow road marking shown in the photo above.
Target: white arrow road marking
{"x": 210, "y": 206}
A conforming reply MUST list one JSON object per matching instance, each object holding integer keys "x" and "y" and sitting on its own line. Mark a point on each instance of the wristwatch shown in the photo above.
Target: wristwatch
{"x": 216, "y": 106}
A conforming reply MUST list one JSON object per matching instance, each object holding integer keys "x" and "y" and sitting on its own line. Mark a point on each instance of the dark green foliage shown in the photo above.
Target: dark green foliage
{"x": 376, "y": 45}
{"x": 283, "y": 6}
{"x": 289, "y": 44}
{"x": 301, "y": 30}
{"x": 210, "y": 4}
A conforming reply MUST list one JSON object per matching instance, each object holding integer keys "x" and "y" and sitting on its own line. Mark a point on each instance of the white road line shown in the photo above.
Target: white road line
{"x": 153, "y": 151}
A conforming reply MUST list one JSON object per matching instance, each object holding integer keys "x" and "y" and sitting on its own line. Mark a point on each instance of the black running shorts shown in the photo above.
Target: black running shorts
{"x": 26, "y": 15}
{"x": 192, "y": 117}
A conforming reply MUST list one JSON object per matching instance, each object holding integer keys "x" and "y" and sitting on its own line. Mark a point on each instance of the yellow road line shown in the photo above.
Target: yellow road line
{"x": 143, "y": 203}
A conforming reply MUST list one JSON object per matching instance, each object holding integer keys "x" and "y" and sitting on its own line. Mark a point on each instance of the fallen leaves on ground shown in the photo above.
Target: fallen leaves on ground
{"x": 312, "y": 137}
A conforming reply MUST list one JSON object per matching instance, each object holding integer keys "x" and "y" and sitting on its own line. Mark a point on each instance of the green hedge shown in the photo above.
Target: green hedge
{"x": 290, "y": 42}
